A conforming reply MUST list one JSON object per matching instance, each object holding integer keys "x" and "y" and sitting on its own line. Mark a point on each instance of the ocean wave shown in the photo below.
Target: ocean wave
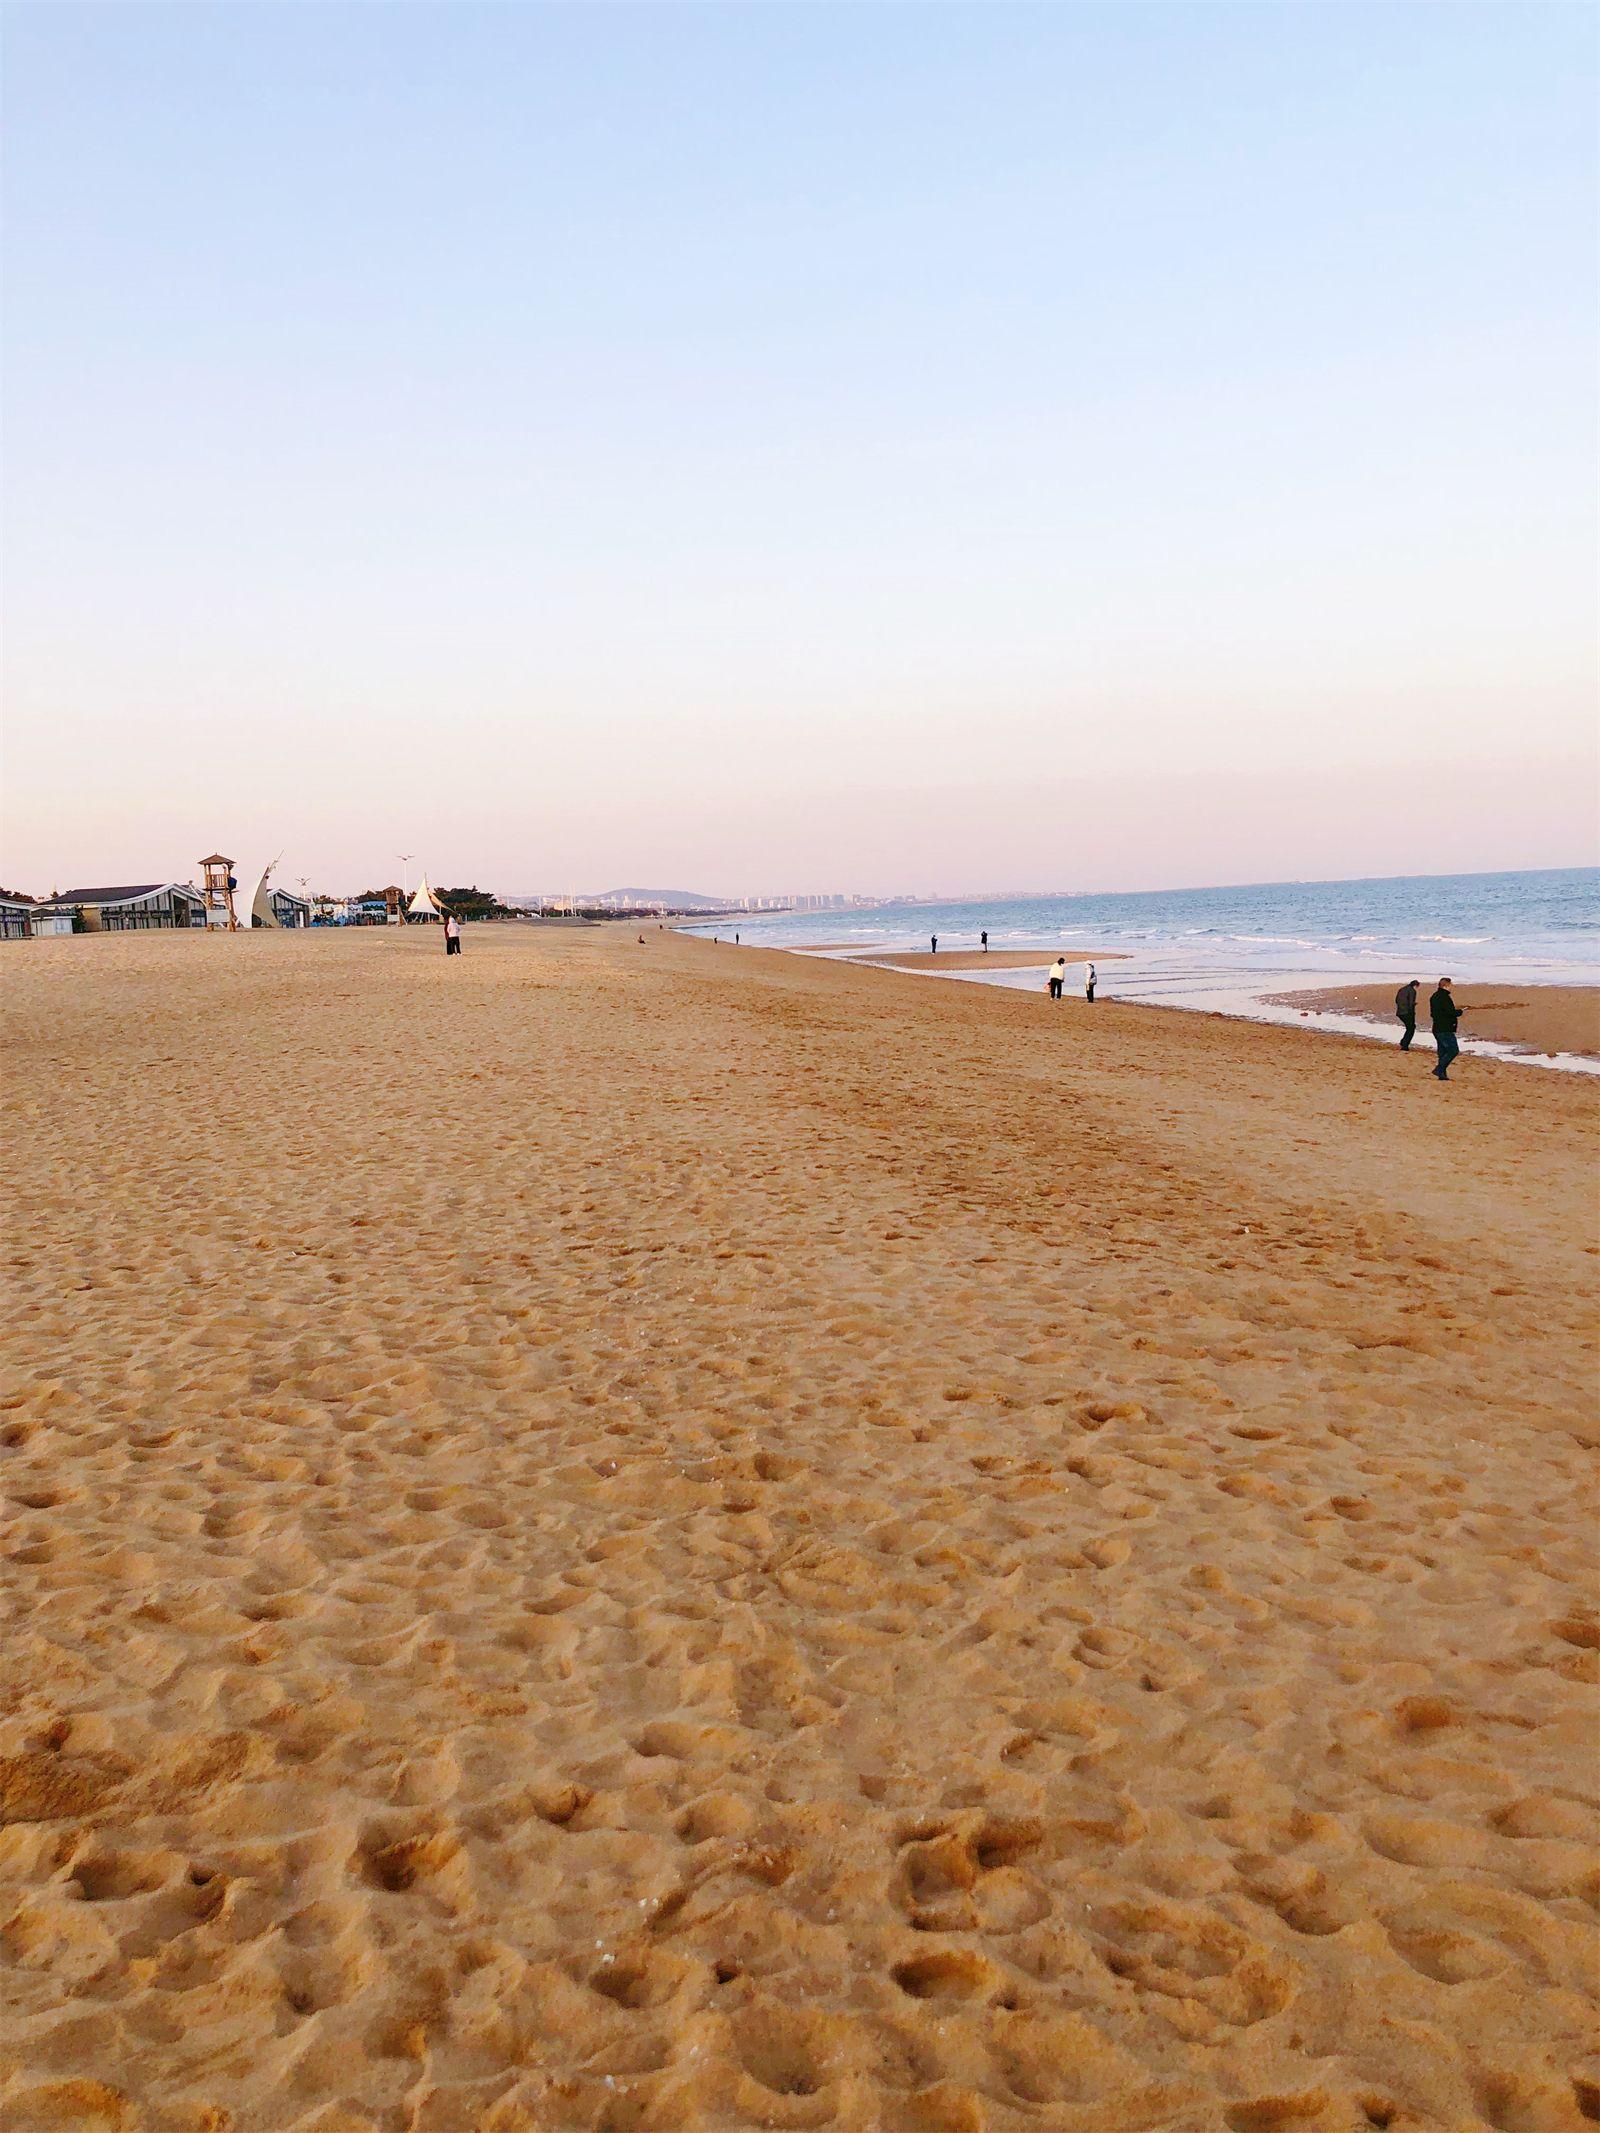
{"x": 1457, "y": 940}
{"x": 1275, "y": 940}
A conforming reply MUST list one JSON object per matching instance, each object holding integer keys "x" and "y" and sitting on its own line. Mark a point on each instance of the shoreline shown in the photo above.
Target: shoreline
{"x": 1326, "y": 1010}
{"x": 973, "y": 959}
{"x": 1560, "y": 1021}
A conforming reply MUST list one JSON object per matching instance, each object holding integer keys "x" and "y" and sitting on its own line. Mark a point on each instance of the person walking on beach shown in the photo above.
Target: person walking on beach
{"x": 983, "y": 942}
{"x": 1405, "y": 1007}
{"x": 1089, "y": 983}
{"x": 452, "y": 935}
{"x": 1058, "y": 976}
{"x": 1444, "y": 1013}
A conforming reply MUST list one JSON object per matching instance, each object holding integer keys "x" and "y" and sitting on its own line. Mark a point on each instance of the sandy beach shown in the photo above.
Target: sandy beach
{"x": 1538, "y": 1018}
{"x": 610, "y": 1536}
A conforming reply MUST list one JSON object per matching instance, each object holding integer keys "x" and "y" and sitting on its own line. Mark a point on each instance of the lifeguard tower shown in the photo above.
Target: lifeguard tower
{"x": 218, "y": 883}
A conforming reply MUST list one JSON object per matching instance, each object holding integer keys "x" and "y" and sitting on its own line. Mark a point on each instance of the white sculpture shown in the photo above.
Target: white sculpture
{"x": 261, "y": 911}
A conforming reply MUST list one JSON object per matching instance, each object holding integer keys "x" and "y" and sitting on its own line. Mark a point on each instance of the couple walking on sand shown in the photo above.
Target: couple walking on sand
{"x": 1444, "y": 1012}
{"x": 1058, "y": 978}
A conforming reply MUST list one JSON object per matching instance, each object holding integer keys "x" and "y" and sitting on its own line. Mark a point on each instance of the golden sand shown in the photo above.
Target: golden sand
{"x": 623, "y": 1537}
{"x": 1539, "y": 1018}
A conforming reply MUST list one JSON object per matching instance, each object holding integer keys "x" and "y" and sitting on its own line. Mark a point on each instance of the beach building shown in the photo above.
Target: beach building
{"x": 289, "y": 909}
{"x": 16, "y": 915}
{"x": 139, "y": 907}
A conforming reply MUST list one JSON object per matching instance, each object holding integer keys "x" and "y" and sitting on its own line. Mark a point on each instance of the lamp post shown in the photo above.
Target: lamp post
{"x": 406, "y": 858}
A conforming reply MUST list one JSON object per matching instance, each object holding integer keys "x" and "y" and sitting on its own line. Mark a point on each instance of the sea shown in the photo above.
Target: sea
{"x": 1229, "y": 950}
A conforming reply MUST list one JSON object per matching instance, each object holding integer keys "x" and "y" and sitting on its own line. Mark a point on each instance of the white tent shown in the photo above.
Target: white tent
{"x": 424, "y": 903}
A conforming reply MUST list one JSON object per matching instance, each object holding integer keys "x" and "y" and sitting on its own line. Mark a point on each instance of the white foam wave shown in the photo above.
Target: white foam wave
{"x": 1274, "y": 940}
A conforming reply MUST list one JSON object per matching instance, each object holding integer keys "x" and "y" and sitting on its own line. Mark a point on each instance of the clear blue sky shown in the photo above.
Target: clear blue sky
{"x": 800, "y": 446}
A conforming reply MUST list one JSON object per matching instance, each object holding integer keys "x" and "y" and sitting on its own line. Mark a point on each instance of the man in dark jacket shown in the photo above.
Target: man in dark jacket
{"x": 1405, "y": 1007}
{"x": 1444, "y": 1014}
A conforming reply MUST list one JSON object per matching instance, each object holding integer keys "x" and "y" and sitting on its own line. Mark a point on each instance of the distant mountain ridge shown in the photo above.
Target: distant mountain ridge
{"x": 684, "y": 899}
{"x": 675, "y": 899}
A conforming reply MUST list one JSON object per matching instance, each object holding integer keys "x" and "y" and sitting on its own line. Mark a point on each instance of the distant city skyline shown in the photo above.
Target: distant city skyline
{"x": 1128, "y": 446}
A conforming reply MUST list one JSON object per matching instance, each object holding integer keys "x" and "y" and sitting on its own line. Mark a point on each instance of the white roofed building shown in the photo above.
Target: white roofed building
{"x": 139, "y": 907}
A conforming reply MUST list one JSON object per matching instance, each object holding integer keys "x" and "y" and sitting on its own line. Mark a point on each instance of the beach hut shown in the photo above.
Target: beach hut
{"x": 289, "y": 910}
{"x": 137, "y": 907}
{"x": 16, "y": 914}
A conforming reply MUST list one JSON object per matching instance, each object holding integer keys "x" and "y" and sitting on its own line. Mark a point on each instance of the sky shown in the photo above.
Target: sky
{"x": 763, "y": 448}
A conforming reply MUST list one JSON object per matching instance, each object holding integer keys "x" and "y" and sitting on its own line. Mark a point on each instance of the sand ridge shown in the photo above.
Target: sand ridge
{"x": 616, "y": 1536}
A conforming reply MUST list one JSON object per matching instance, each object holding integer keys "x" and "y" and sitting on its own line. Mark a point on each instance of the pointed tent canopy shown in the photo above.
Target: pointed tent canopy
{"x": 423, "y": 900}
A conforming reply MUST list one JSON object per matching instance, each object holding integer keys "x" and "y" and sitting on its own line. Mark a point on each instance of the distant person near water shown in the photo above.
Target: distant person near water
{"x": 1405, "y": 1008}
{"x": 934, "y": 939}
{"x": 452, "y": 935}
{"x": 983, "y": 942}
{"x": 1058, "y": 976}
{"x": 1089, "y": 981}
{"x": 1444, "y": 1012}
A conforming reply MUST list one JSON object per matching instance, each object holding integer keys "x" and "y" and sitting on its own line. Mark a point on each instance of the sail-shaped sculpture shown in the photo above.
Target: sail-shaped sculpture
{"x": 261, "y": 911}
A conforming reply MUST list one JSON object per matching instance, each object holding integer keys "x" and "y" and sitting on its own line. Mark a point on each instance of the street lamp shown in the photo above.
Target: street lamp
{"x": 406, "y": 858}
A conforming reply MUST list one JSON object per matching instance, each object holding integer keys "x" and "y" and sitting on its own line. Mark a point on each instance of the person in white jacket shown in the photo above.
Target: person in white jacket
{"x": 452, "y": 935}
{"x": 1089, "y": 982}
{"x": 1058, "y": 976}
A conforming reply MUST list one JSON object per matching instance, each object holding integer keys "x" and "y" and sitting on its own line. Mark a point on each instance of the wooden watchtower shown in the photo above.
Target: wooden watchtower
{"x": 217, "y": 886}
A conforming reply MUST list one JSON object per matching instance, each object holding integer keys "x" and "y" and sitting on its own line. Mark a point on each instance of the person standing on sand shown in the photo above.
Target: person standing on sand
{"x": 983, "y": 942}
{"x": 452, "y": 935}
{"x": 1405, "y": 1007}
{"x": 1444, "y": 1013}
{"x": 934, "y": 938}
{"x": 1089, "y": 983}
{"x": 1058, "y": 976}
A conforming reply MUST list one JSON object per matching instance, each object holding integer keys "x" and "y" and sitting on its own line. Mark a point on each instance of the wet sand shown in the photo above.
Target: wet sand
{"x": 1540, "y": 1018}
{"x": 623, "y": 1537}
{"x": 978, "y": 959}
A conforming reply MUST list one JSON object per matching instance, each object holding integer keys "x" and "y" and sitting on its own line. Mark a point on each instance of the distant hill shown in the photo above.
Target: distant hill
{"x": 674, "y": 899}
{"x": 680, "y": 899}
{"x": 626, "y": 899}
